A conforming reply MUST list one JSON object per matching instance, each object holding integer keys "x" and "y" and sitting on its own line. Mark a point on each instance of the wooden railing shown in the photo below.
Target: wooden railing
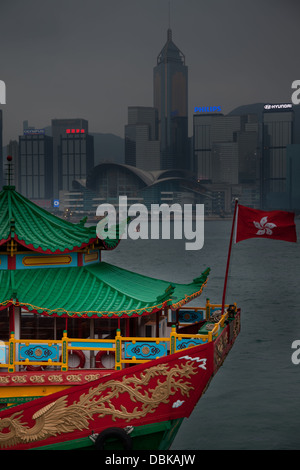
{"x": 127, "y": 350}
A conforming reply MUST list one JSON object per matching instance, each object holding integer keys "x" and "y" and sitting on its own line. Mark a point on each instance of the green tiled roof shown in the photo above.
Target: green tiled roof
{"x": 93, "y": 291}
{"x": 36, "y": 228}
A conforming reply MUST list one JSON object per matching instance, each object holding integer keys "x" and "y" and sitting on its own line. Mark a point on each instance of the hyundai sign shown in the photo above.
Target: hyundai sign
{"x": 56, "y": 203}
{"x": 278, "y": 106}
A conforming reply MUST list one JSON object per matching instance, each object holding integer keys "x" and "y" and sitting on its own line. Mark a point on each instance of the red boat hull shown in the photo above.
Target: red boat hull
{"x": 160, "y": 390}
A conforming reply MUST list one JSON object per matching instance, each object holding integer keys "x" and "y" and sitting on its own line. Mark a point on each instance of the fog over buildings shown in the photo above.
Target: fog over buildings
{"x": 175, "y": 85}
{"x": 93, "y": 59}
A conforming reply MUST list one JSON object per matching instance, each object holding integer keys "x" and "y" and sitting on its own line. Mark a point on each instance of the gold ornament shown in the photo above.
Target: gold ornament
{"x": 58, "y": 417}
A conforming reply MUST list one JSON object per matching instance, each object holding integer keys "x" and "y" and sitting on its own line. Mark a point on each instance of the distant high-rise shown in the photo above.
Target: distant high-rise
{"x": 225, "y": 163}
{"x": 227, "y": 159}
{"x": 59, "y": 127}
{"x": 170, "y": 87}
{"x": 226, "y": 148}
{"x": 278, "y": 123}
{"x": 293, "y": 172}
{"x": 35, "y": 166}
{"x": 214, "y": 136}
{"x": 12, "y": 149}
{"x": 76, "y": 157}
{"x": 142, "y": 147}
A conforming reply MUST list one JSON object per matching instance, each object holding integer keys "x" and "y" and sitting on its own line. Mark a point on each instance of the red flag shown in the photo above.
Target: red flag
{"x": 254, "y": 223}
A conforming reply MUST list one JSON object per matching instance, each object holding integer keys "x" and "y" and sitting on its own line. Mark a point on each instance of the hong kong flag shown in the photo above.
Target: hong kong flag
{"x": 254, "y": 223}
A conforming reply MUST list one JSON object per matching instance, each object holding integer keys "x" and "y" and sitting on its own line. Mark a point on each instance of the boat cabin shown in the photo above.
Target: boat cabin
{"x": 62, "y": 308}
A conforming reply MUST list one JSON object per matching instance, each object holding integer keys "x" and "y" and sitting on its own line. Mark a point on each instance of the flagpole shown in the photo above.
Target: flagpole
{"x": 228, "y": 256}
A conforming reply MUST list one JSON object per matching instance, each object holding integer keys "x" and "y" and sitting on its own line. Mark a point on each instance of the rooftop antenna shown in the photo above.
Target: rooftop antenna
{"x": 169, "y": 28}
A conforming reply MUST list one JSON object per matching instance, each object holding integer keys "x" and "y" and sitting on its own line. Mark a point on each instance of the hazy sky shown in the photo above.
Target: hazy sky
{"x": 94, "y": 58}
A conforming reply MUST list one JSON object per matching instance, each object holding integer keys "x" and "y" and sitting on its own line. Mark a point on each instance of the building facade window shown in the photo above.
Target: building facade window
{"x": 77, "y": 158}
{"x": 35, "y": 171}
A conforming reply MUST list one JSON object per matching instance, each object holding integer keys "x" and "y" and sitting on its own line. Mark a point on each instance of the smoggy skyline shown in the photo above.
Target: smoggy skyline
{"x": 93, "y": 59}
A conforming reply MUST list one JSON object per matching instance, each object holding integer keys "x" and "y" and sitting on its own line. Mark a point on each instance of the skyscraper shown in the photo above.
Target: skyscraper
{"x": 142, "y": 147}
{"x": 59, "y": 127}
{"x": 226, "y": 148}
{"x": 170, "y": 87}
{"x": 35, "y": 170}
{"x": 76, "y": 157}
{"x": 227, "y": 158}
{"x": 293, "y": 172}
{"x": 210, "y": 132}
{"x": 278, "y": 123}
{"x": 12, "y": 149}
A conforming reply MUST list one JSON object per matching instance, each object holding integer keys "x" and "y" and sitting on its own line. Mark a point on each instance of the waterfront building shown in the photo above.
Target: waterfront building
{"x": 35, "y": 165}
{"x": 227, "y": 153}
{"x": 142, "y": 147}
{"x": 76, "y": 157}
{"x": 108, "y": 181}
{"x": 293, "y": 173}
{"x": 12, "y": 149}
{"x": 59, "y": 127}
{"x": 225, "y": 164}
{"x": 210, "y": 131}
{"x": 278, "y": 124}
{"x": 249, "y": 150}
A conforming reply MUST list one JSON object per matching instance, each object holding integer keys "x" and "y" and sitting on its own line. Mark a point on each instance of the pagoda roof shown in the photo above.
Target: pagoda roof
{"x": 37, "y": 229}
{"x": 99, "y": 290}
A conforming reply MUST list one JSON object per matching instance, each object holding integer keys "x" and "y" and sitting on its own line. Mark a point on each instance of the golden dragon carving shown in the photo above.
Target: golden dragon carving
{"x": 58, "y": 417}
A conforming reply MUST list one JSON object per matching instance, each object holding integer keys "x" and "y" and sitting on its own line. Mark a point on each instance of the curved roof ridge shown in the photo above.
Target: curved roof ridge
{"x": 96, "y": 291}
{"x": 38, "y": 229}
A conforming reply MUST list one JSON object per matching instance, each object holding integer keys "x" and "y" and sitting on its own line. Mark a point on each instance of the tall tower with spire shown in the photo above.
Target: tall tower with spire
{"x": 170, "y": 86}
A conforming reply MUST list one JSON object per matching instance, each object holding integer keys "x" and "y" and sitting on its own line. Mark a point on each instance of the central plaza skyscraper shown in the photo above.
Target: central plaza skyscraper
{"x": 170, "y": 87}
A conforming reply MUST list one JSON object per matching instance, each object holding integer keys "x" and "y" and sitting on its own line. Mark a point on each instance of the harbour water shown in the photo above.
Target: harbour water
{"x": 254, "y": 400}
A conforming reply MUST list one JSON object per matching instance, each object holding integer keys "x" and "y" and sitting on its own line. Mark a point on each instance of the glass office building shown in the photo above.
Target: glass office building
{"x": 293, "y": 175}
{"x": 278, "y": 126}
{"x": 142, "y": 147}
{"x": 35, "y": 166}
{"x": 76, "y": 157}
{"x": 59, "y": 128}
{"x": 227, "y": 159}
{"x": 210, "y": 132}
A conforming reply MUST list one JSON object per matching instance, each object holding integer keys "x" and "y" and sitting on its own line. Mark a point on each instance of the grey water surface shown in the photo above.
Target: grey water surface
{"x": 254, "y": 400}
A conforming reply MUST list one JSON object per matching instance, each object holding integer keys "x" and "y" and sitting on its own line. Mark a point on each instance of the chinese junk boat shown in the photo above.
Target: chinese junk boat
{"x": 92, "y": 355}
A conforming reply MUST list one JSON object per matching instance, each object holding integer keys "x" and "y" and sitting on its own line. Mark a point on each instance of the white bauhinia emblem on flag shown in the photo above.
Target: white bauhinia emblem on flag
{"x": 264, "y": 227}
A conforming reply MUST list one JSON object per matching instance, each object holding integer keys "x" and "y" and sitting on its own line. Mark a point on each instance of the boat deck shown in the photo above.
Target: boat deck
{"x": 24, "y": 380}
{"x": 151, "y": 397}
